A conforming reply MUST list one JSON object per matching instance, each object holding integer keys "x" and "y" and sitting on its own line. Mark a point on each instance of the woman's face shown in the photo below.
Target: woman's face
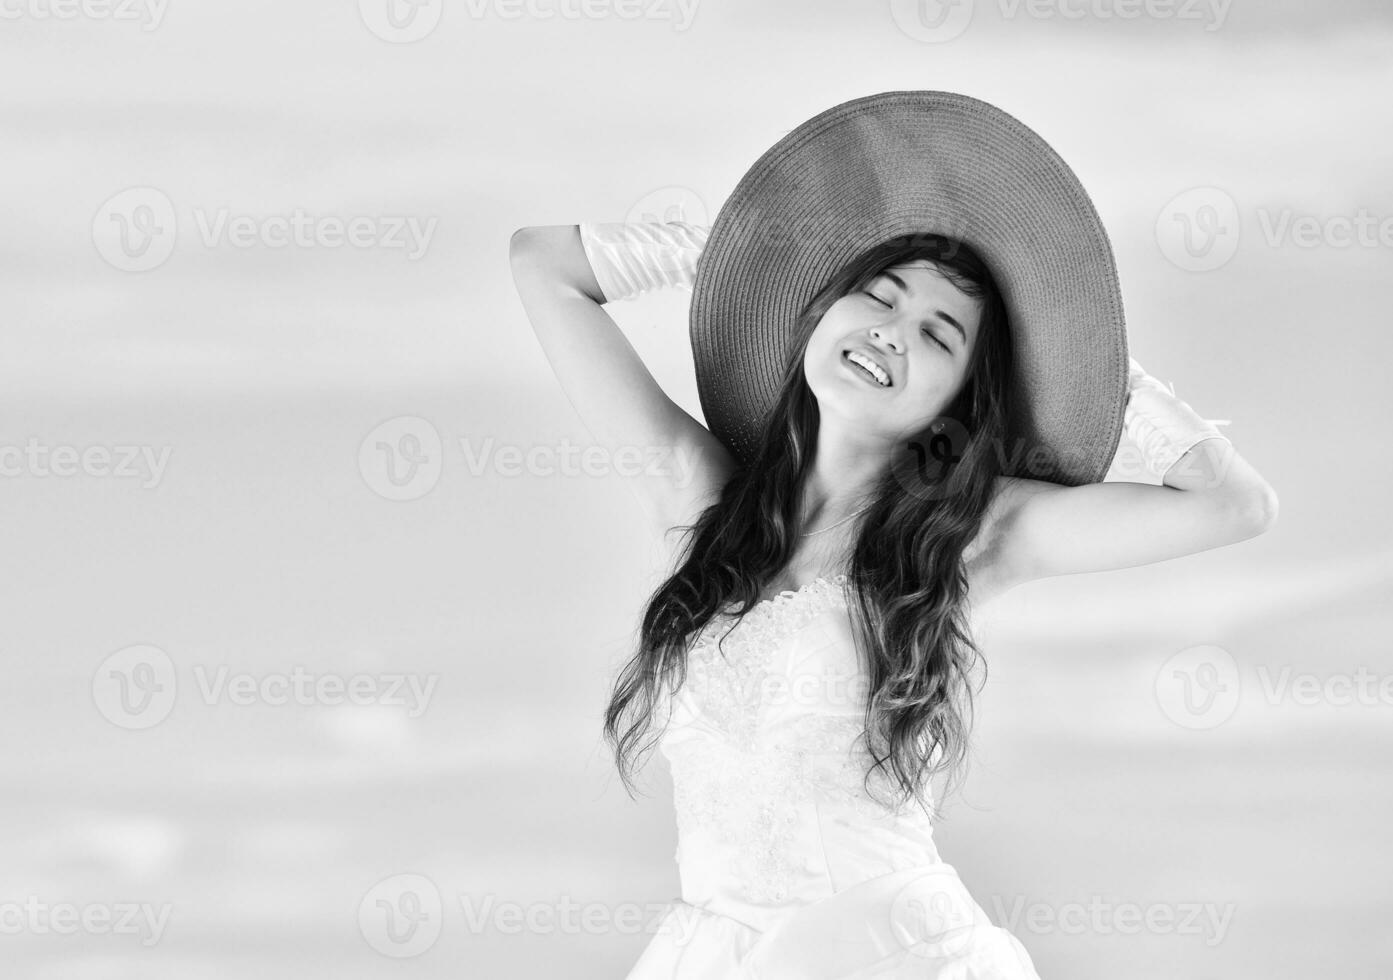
{"x": 916, "y": 330}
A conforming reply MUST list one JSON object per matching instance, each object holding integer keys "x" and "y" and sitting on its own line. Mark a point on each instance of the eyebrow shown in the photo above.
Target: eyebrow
{"x": 904, "y": 288}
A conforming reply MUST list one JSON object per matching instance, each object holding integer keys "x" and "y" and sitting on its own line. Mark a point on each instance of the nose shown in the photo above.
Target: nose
{"x": 889, "y": 337}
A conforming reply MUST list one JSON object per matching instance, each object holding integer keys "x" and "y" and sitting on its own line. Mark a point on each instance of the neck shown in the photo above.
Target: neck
{"x": 844, "y": 474}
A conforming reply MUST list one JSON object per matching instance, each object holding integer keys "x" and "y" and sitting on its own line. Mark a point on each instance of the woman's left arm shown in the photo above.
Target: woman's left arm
{"x": 1210, "y": 496}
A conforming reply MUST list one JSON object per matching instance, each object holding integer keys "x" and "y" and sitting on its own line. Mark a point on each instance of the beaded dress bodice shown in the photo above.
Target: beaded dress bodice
{"x": 765, "y": 740}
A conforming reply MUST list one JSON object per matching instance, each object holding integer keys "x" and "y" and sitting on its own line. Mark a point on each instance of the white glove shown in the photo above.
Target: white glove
{"x": 1163, "y": 427}
{"x": 630, "y": 259}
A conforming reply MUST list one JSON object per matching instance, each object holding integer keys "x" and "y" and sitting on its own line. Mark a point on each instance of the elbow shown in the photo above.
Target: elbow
{"x": 520, "y": 246}
{"x": 1269, "y": 508}
{"x": 526, "y": 259}
{"x": 1255, "y": 512}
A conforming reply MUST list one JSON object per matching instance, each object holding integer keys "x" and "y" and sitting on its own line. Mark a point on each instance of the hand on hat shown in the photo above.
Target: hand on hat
{"x": 1163, "y": 427}
{"x": 634, "y": 258}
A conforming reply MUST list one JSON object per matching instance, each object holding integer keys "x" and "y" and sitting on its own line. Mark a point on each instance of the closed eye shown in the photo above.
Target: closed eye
{"x": 929, "y": 333}
{"x": 934, "y": 338}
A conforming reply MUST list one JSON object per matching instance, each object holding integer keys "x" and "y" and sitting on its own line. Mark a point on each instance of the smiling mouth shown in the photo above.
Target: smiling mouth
{"x": 872, "y": 371}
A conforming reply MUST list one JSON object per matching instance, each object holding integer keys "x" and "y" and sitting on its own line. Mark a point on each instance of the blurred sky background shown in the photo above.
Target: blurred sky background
{"x": 271, "y": 541}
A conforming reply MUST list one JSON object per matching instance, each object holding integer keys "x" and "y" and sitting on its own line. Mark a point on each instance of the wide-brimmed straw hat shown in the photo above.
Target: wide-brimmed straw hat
{"x": 894, "y": 164}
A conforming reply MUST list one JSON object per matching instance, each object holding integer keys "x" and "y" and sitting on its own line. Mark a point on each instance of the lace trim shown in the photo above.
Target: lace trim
{"x": 775, "y": 608}
{"x": 734, "y": 694}
{"x": 745, "y": 786}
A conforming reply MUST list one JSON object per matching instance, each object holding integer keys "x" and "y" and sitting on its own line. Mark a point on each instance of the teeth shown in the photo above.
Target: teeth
{"x": 858, "y": 358}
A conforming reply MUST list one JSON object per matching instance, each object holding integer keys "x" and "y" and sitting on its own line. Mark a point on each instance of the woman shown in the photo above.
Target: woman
{"x": 808, "y": 663}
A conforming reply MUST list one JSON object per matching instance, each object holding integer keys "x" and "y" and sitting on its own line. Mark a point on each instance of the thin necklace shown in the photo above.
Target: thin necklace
{"x": 809, "y": 534}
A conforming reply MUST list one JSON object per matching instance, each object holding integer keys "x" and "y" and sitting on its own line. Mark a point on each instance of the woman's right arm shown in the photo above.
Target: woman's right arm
{"x": 681, "y": 465}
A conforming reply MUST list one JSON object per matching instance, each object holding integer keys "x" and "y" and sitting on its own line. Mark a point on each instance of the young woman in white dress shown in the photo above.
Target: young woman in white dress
{"x": 830, "y": 552}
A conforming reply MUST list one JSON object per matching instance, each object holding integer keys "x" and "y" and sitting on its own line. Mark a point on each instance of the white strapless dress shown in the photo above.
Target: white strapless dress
{"x": 788, "y": 867}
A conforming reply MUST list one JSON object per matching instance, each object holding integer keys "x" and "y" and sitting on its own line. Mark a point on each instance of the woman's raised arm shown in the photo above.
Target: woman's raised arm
{"x": 1209, "y": 496}
{"x": 675, "y": 462}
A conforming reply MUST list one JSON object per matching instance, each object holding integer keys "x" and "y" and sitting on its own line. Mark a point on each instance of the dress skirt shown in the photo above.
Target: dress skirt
{"x": 915, "y": 924}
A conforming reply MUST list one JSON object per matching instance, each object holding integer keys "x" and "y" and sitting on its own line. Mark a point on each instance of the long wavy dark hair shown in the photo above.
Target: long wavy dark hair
{"x": 906, "y": 568}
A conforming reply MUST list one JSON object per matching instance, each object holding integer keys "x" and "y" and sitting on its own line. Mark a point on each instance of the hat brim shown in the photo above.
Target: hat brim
{"x": 902, "y": 162}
